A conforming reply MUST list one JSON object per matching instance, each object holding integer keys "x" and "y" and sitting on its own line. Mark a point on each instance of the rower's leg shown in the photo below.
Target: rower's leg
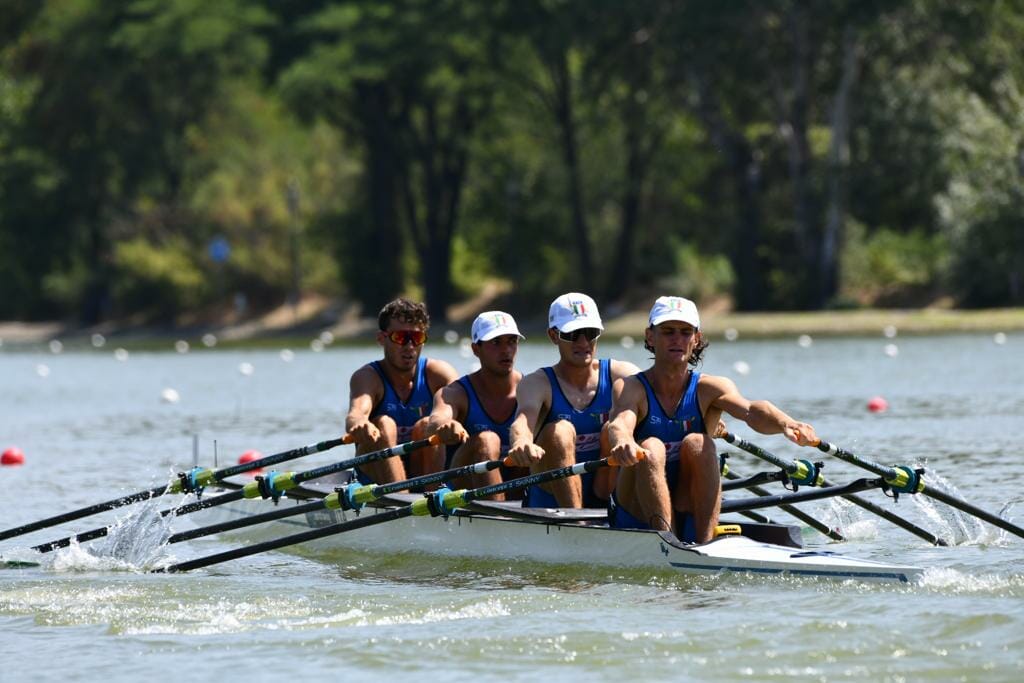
{"x": 480, "y": 448}
{"x": 605, "y": 478}
{"x": 425, "y": 460}
{"x": 698, "y": 490}
{"x": 387, "y": 470}
{"x": 642, "y": 489}
{"x": 558, "y": 440}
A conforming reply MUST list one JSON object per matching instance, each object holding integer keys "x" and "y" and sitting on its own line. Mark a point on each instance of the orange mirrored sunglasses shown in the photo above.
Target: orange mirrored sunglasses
{"x": 403, "y": 337}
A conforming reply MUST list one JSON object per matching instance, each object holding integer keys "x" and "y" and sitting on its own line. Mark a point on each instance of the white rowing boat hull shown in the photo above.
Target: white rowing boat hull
{"x": 506, "y": 538}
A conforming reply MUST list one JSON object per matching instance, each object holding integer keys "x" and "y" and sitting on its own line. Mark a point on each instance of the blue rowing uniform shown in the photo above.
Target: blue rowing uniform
{"x": 588, "y": 423}
{"x": 687, "y": 419}
{"x": 477, "y": 420}
{"x": 408, "y": 412}
{"x": 405, "y": 413}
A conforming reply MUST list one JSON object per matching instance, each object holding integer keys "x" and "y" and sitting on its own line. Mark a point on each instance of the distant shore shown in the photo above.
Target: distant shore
{"x": 275, "y": 329}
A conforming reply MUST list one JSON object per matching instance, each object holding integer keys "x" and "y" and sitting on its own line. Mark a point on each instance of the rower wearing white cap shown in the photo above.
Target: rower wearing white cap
{"x": 476, "y": 410}
{"x": 563, "y": 408}
{"x": 671, "y": 411}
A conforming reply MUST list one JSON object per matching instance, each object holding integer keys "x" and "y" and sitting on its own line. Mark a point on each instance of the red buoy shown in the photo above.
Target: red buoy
{"x": 12, "y": 456}
{"x": 877, "y": 404}
{"x": 250, "y": 456}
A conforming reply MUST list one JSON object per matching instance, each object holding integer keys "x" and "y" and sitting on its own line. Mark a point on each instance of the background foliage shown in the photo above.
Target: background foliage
{"x": 775, "y": 155}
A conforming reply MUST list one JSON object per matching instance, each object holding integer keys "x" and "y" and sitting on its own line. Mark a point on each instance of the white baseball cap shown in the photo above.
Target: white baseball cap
{"x": 491, "y": 324}
{"x": 573, "y": 311}
{"x": 674, "y": 308}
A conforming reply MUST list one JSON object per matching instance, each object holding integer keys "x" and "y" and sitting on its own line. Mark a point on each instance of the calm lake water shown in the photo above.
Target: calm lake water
{"x": 94, "y": 427}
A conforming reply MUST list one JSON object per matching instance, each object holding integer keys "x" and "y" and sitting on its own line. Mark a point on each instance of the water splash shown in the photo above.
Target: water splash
{"x": 852, "y": 521}
{"x": 956, "y": 527}
{"x": 135, "y": 542}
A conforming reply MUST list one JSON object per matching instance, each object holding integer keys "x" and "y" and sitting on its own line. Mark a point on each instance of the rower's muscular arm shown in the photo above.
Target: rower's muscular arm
{"x": 533, "y": 394}
{"x": 628, "y": 406}
{"x": 450, "y": 407}
{"x": 720, "y": 394}
{"x": 365, "y": 391}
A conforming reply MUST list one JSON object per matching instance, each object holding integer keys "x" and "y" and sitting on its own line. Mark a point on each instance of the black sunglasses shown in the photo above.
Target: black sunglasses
{"x": 589, "y": 333}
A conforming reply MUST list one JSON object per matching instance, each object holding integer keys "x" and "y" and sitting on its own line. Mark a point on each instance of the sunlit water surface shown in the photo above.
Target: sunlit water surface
{"x": 94, "y": 427}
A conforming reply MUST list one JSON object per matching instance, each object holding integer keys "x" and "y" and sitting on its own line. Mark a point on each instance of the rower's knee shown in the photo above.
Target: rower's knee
{"x": 655, "y": 457}
{"x": 559, "y": 438}
{"x": 485, "y": 445}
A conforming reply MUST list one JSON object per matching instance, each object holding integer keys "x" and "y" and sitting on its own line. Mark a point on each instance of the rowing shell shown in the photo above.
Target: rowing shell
{"x": 560, "y": 536}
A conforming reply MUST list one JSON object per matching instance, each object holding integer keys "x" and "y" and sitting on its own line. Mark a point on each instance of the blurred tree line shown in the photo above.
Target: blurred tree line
{"x": 157, "y": 155}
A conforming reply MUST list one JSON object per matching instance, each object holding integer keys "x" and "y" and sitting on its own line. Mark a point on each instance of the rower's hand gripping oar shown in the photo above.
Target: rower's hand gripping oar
{"x": 805, "y": 469}
{"x": 270, "y": 486}
{"x": 351, "y": 497}
{"x": 185, "y": 482}
{"x": 905, "y": 479}
{"x": 439, "y": 503}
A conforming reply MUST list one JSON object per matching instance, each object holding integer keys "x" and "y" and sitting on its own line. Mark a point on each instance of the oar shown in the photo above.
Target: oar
{"x": 807, "y": 495}
{"x": 805, "y": 469}
{"x": 796, "y": 512}
{"x": 441, "y": 502}
{"x": 270, "y": 486}
{"x": 185, "y": 482}
{"x": 905, "y": 479}
{"x": 353, "y": 496}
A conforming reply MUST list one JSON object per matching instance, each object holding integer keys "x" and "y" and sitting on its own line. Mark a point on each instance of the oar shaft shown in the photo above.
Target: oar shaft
{"x": 83, "y": 512}
{"x": 924, "y": 488}
{"x": 161, "y": 490}
{"x": 375, "y": 492}
{"x": 312, "y": 534}
{"x": 803, "y": 496}
{"x": 795, "y": 512}
{"x": 891, "y": 517}
{"x": 423, "y": 506}
{"x": 735, "y": 482}
{"x": 214, "y": 501}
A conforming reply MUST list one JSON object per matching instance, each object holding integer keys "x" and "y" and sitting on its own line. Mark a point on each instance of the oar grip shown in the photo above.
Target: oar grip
{"x": 640, "y": 456}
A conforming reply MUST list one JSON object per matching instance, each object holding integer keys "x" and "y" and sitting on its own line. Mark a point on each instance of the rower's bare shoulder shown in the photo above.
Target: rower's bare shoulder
{"x": 622, "y": 368}
{"x": 534, "y": 385}
{"x": 713, "y": 386}
{"x": 440, "y": 373}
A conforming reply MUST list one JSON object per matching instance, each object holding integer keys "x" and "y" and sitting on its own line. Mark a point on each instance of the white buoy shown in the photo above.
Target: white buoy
{"x": 731, "y": 334}
{"x": 999, "y": 338}
{"x": 627, "y": 342}
{"x": 741, "y": 367}
{"x": 451, "y": 336}
{"x": 209, "y": 340}
{"x": 287, "y": 355}
{"x": 121, "y": 354}
{"x": 170, "y": 395}
{"x": 327, "y": 337}
{"x": 98, "y": 340}
{"x": 804, "y": 340}
{"x": 316, "y": 345}
{"x": 43, "y": 370}
{"x": 892, "y": 350}
{"x": 181, "y": 346}
{"x": 246, "y": 368}
{"x": 889, "y": 331}
{"x": 56, "y": 346}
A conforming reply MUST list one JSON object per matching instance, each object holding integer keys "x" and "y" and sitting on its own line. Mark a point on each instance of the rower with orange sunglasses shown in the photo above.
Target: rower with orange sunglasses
{"x": 390, "y": 399}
